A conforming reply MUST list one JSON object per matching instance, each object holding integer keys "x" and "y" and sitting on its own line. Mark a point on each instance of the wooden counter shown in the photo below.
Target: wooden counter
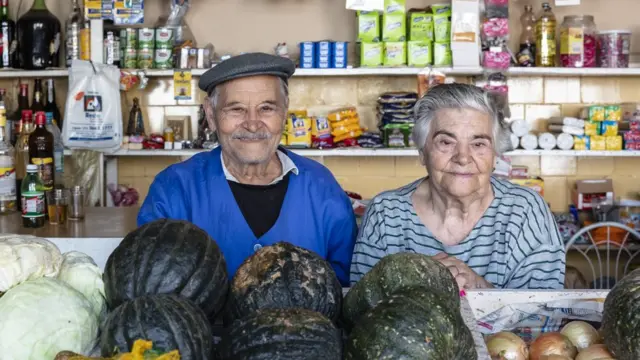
{"x": 99, "y": 222}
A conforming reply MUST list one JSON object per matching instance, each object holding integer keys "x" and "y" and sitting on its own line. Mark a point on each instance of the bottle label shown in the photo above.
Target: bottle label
{"x": 7, "y": 180}
{"x": 33, "y": 204}
{"x": 45, "y": 170}
{"x": 59, "y": 160}
{"x": 571, "y": 41}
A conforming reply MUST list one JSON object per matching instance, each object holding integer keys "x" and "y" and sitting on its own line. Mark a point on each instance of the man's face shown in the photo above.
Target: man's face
{"x": 249, "y": 118}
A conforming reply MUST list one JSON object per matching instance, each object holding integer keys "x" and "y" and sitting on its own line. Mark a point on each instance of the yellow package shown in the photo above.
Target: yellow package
{"x": 613, "y": 142}
{"x": 609, "y": 128}
{"x": 298, "y": 131}
{"x": 346, "y": 122}
{"x": 613, "y": 112}
{"x": 320, "y": 127}
{"x": 591, "y": 128}
{"x": 283, "y": 139}
{"x": 349, "y": 135}
{"x": 594, "y": 113}
{"x": 337, "y": 131}
{"x": 598, "y": 143}
{"x": 341, "y": 114}
{"x": 581, "y": 143}
{"x": 298, "y": 113}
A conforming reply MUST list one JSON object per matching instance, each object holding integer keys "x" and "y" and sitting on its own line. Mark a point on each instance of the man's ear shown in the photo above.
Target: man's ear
{"x": 209, "y": 113}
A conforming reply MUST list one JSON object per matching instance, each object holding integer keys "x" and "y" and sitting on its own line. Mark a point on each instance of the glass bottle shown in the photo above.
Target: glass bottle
{"x": 41, "y": 151}
{"x": 39, "y": 38}
{"x": 58, "y": 150}
{"x": 546, "y": 37}
{"x": 22, "y": 150}
{"x": 72, "y": 41}
{"x": 8, "y": 45}
{"x": 33, "y": 204}
{"x": 8, "y": 197}
{"x": 527, "y": 53}
{"x": 578, "y": 41}
{"x": 16, "y": 117}
{"x": 37, "y": 104}
{"x": 51, "y": 105}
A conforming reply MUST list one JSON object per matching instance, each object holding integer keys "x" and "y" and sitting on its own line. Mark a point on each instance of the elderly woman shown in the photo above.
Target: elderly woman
{"x": 488, "y": 232}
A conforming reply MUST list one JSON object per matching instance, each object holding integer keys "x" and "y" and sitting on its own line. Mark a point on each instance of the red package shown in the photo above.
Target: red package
{"x": 634, "y": 125}
{"x": 631, "y": 136}
{"x": 347, "y": 143}
{"x": 325, "y": 142}
{"x": 496, "y": 60}
{"x": 495, "y": 27}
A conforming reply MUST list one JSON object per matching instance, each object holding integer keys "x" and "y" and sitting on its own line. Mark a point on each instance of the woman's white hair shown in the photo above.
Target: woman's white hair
{"x": 459, "y": 96}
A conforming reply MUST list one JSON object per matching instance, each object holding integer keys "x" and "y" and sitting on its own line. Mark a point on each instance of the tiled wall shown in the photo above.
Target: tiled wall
{"x": 533, "y": 99}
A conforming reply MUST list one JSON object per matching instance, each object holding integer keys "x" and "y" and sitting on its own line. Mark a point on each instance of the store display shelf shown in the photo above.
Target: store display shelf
{"x": 358, "y": 152}
{"x": 18, "y": 73}
{"x": 559, "y": 71}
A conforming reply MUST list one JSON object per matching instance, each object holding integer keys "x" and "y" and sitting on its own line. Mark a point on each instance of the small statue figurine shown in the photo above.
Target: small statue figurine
{"x": 135, "y": 126}
{"x": 282, "y": 50}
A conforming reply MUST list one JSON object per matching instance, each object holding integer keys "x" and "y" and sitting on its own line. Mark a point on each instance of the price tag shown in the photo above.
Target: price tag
{"x": 182, "y": 84}
{"x": 567, "y": 2}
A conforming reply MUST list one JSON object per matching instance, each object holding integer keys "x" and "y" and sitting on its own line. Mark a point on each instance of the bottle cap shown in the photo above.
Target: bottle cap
{"x": 41, "y": 118}
{"x": 32, "y": 168}
{"x": 27, "y": 115}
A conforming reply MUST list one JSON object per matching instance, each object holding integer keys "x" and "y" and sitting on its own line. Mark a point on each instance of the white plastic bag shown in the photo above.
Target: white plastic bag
{"x": 93, "y": 116}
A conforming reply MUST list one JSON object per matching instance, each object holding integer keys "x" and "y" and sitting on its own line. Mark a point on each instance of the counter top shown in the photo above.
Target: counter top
{"x": 99, "y": 222}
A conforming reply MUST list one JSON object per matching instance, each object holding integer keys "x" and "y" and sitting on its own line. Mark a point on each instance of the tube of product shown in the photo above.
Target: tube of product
{"x": 572, "y": 130}
{"x": 569, "y": 121}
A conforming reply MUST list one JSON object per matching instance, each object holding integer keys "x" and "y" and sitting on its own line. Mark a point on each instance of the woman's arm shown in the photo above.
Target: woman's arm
{"x": 370, "y": 244}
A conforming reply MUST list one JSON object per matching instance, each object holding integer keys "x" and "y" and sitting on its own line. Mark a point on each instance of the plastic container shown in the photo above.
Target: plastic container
{"x": 578, "y": 42}
{"x": 613, "y": 47}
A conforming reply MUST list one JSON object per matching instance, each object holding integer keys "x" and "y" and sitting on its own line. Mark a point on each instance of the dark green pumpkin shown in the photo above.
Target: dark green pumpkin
{"x": 168, "y": 257}
{"x": 284, "y": 276}
{"x": 169, "y": 321}
{"x": 411, "y": 324}
{"x": 621, "y": 318}
{"x": 282, "y": 334}
{"x": 393, "y": 272}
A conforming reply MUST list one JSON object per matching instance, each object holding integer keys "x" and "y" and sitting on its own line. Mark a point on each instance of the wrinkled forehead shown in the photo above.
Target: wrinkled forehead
{"x": 250, "y": 89}
{"x": 462, "y": 121}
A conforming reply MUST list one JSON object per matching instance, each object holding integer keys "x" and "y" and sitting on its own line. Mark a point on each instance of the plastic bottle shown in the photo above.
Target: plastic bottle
{"x": 527, "y": 52}
{"x": 546, "y": 37}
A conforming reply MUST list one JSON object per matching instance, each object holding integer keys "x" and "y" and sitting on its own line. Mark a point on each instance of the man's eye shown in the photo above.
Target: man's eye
{"x": 236, "y": 110}
{"x": 267, "y": 109}
{"x": 480, "y": 145}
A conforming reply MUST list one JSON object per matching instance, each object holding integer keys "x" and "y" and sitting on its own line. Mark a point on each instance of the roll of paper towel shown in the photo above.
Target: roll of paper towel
{"x": 515, "y": 141}
{"x": 547, "y": 141}
{"x": 564, "y": 141}
{"x": 520, "y": 127}
{"x": 529, "y": 142}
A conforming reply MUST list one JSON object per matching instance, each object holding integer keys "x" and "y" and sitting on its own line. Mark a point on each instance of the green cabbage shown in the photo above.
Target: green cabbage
{"x": 42, "y": 317}
{"x": 26, "y": 257}
{"x": 81, "y": 272}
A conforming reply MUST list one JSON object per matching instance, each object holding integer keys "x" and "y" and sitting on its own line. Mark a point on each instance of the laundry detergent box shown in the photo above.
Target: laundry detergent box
{"x": 419, "y": 53}
{"x": 394, "y": 27}
{"x": 420, "y": 26}
{"x": 369, "y": 26}
{"x": 395, "y": 53}
{"x": 371, "y": 54}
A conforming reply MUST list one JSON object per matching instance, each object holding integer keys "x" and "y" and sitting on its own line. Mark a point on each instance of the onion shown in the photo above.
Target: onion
{"x": 595, "y": 352}
{"x": 553, "y": 343}
{"x": 581, "y": 334}
{"x": 507, "y": 346}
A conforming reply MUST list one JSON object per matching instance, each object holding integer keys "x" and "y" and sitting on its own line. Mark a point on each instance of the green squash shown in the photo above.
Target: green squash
{"x": 411, "y": 324}
{"x": 393, "y": 272}
{"x": 282, "y": 334}
{"x": 621, "y": 318}
{"x": 284, "y": 276}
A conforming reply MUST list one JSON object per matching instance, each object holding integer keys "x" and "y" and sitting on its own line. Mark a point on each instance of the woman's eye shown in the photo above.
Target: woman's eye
{"x": 445, "y": 142}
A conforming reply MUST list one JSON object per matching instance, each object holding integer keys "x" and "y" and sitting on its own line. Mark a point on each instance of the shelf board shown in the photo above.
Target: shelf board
{"x": 17, "y": 73}
{"x": 361, "y": 152}
{"x": 559, "y": 71}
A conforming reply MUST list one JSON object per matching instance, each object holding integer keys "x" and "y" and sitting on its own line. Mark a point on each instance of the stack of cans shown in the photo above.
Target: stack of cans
{"x": 147, "y": 48}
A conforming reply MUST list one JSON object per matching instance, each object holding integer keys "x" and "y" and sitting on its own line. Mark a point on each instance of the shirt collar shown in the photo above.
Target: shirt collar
{"x": 287, "y": 166}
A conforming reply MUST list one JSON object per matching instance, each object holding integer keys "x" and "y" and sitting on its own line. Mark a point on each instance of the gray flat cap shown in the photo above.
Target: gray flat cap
{"x": 244, "y": 65}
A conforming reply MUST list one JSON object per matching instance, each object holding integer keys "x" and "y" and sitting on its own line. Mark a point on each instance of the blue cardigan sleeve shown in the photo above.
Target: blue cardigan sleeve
{"x": 164, "y": 199}
{"x": 342, "y": 230}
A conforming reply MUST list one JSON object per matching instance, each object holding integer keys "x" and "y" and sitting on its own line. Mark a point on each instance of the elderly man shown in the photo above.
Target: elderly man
{"x": 249, "y": 193}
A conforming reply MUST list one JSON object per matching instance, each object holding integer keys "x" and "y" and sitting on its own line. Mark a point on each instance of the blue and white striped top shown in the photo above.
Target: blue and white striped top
{"x": 516, "y": 243}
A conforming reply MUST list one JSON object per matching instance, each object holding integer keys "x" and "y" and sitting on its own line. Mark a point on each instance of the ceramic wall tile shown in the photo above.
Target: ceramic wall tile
{"x": 600, "y": 90}
{"x": 596, "y": 166}
{"x": 537, "y": 115}
{"x": 558, "y": 165}
{"x": 561, "y": 90}
{"x": 409, "y": 167}
{"x": 525, "y": 90}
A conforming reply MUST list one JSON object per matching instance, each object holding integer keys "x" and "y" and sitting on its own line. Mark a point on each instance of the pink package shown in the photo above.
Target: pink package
{"x": 632, "y": 146}
{"x": 495, "y": 27}
{"x": 634, "y": 125}
{"x": 496, "y": 60}
{"x": 489, "y": 3}
{"x": 631, "y": 136}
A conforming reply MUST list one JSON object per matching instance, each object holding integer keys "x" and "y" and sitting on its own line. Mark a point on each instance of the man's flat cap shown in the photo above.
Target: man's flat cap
{"x": 244, "y": 65}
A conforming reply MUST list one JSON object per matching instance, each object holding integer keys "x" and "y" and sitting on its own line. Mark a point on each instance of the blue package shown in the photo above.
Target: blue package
{"x": 339, "y": 54}
{"x": 307, "y": 55}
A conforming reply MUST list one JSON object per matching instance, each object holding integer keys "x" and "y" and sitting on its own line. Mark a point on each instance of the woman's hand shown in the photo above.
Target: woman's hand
{"x": 465, "y": 277}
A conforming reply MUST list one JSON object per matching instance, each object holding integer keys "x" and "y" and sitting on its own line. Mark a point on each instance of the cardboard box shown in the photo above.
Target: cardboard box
{"x": 586, "y": 192}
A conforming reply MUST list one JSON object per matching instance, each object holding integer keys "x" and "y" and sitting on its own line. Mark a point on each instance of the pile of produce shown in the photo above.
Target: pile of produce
{"x": 50, "y": 301}
{"x": 142, "y": 350}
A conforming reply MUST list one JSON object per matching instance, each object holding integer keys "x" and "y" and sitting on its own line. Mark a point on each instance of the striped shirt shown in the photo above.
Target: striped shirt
{"x": 516, "y": 244}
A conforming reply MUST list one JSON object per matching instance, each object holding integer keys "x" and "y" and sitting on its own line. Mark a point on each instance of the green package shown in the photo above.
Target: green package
{"x": 442, "y": 27}
{"x": 441, "y": 9}
{"x": 395, "y": 53}
{"x": 371, "y": 54}
{"x": 394, "y": 27}
{"x": 395, "y": 7}
{"x": 421, "y": 26}
{"x": 442, "y": 54}
{"x": 419, "y": 53}
{"x": 397, "y": 135}
{"x": 368, "y": 26}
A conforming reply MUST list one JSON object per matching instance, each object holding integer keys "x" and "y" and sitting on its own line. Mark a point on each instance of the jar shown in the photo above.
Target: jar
{"x": 578, "y": 41}
{"x": 614, "y": 48}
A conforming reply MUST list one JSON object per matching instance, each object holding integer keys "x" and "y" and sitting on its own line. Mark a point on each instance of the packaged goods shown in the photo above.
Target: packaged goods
{"x": 347, "y": 143}
{"x": 129, "y": 38}
{"x": 592, "y": 128}
{"x": 442, "y": 27}
{"x": 398, "y": 97}
{"x": 520, "y": 127}
{"x": 395, "y": 7}
{"x": 164, "y": 38}
{"x": 397, "y": 135}
{"x": 529, "y": 142}
{"x": 613, "y": 142}
{"x": 578, "y": 41}
{"x": 613, "y": 112}
{"x": 370, "y": 140}
{"x": 394, "y": 27}
{"x": 321, "y": 133}
{"x": 146, "y": 38}
{"x": 348, "y": 135}
{"x": 564, "y": 141}
{"x": 581, "y": 142}
{"x": 546, "y": 141}
{"x": 338, "y": 131}
{"x": 427, "y": 79}
{"x": 613, "y": 48}
{"x": 442, "y": 54}
{"x": 298, "y": 131}
{"x": 341, "y": 114}
{"x": 420, "y": 26}
{"x": 371, "y": 54}
{"x": 368, "y": 26}
{"x": 145, "y": 58}
{"x": 395, "y": 53}
{"x": 608, "y": 128}
{"x": 593, "y": 112}
{"x": 598, "y": 142}
{"x": 496, "y": 60}
{"x": 438, "y": 9}
{"x": 419, "y": 53}
{"x": 163, "y": 59}
{"x": 495, "y": 27}
{"x": 130, "y": 57}
{"x": 572, "y": 130}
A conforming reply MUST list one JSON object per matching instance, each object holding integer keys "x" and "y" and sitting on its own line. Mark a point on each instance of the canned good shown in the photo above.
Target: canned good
{"x": 111, "y": 49}
{"x": 85, "y": 44}
{"x": 130, "y": 58}
{"x": 129, "y": 38}
{"x": 146, "y": 38}
{"x": 145, "y": 58}
{"x": 163, "y": 59}
{"x": 164, "y": 38}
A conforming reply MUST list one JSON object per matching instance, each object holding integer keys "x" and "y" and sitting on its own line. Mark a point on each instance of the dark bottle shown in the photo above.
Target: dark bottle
{"x": 41, "y": 151}
{"x": 16, "y": 117}
{"x": 22, "y": 150}
{"x": 39, "y": 38}
{"x": 37, "y": 104}
{"x": 52, "y": 106}
{"x": 32, "y": 199}
{"x": 8, "y": 45}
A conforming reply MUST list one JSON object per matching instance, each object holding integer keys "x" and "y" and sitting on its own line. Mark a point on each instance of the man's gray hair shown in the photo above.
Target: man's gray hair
{"x": 459, "y": 96}
{"x": 284, "y": 90}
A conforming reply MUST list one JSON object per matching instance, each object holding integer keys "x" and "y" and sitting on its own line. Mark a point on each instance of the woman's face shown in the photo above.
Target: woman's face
{"x": 459, "y": 153}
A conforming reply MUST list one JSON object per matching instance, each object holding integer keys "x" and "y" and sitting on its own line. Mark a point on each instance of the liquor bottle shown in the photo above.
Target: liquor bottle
{"x": 58, "y": 151}
{"x": 33, "y": 202}
{"x": 72, "y": 41}
{"x": 37, "y": 104}
{"x": 52, "y": 106}
{"x": 8, "y": 45}
{"x": 39, "y": 38}
{"x": 8, "y": 197}
{"x": 41, "y": 151}
{"x": 22, "y": 151}
{"x": 16, "y": 117}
